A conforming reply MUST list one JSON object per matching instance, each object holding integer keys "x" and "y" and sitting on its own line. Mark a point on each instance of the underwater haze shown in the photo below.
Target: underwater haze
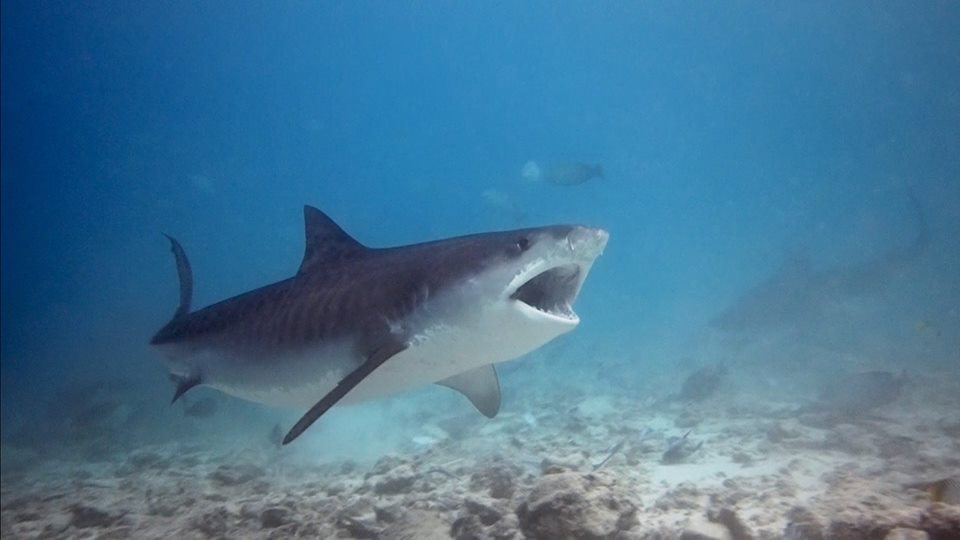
{"x": 769, "y": 345}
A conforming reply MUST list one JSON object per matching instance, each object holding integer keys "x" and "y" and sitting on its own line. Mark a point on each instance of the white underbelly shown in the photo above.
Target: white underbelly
{"x": 444, "y": 350}
{"x": 437, "y": 352}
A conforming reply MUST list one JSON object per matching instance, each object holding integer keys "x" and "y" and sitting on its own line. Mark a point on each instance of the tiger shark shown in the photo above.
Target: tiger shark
{"x": 356, "y": 323}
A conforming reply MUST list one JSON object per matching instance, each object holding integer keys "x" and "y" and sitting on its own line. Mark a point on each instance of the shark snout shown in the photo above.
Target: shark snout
{"x": 587, "y": 241}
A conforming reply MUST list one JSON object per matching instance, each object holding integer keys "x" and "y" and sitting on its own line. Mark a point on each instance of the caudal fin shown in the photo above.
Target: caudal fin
{"x": 185, "y": 275}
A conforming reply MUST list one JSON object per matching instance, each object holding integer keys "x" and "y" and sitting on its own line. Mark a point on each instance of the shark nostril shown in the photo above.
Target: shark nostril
{"x": 587, "y": 241}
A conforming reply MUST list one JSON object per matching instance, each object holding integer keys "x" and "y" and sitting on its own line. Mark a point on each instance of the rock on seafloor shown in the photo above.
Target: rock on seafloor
{"x": 521, "y": 478}
{"x": 576, "y": 506}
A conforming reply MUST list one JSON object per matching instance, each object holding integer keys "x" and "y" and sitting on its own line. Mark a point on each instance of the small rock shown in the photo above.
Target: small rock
{"x": 573, "y": 505}
{"x": 897, "y": 447}
{"x": 556, "y": 465}
{"x": 290, "y": 530}
{"x": 846, "y": 439}
{"x": 388, "y": 514}
{"x": 275, "y": 516}
{"x": 704, "y": 530}
{"x": 56, "y": 524}
{"x": 732, "y": 522}
{"x": 117, "y": 533}
{"x": 777, "y": 433}
{"x": 359, "y": 518}
{"x": 487, "y": 514}
{"x": 384, "y": 465}
{"x": 687, "y": 419}
{"x": 419, "y": 525}
{"x": 235, "y": 475}
{"x": 685, "y": 496}
{"x": 575, "y": 424}
{"x": 359, "y": 528}
{"x": 85, "y": 517}
{"x": 901, "y": 533}
{"x": 498, "y": 480}
{"x": 802, "y": 525}
{"x": 950, "y": 426}
{"x": 144, "y": 459}
{"x": 213, "y": 523}
{"x": 312, "y": 530}
{"x": 479, "y": 518}
{"x": 396, "y": 481}
{"x": 742, "y": 458}
{"x": 162, "y": 508}
{"x": 250, "y": 510}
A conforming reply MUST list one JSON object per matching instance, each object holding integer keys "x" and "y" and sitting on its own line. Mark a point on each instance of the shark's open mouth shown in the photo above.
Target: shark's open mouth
{"x": 552, "y": 291}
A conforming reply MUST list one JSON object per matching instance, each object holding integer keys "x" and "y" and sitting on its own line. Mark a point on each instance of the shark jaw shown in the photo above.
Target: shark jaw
{"x": 548, "y": 285}
{"x": 550, "y": 293}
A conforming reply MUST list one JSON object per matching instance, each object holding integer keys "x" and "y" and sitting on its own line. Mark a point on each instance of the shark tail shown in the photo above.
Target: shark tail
{"x": 185, "y": 274}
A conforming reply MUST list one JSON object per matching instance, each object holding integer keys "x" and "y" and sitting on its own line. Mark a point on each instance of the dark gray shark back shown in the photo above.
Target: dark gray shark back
{"x": 340, "y": 289}
{"x": 260, "y": 315}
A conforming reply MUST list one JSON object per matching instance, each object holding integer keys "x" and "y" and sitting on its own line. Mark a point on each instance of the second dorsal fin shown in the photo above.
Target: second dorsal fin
{"x": 326, "y": 242}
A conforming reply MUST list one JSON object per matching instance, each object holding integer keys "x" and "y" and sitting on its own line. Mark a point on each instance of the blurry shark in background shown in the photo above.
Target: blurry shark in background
{"x": 797, "y": 292}
{"x": 356, "y": 322}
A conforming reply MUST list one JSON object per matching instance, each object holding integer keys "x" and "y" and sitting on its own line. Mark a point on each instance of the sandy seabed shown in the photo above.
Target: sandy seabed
{"x": 765, "y": 470}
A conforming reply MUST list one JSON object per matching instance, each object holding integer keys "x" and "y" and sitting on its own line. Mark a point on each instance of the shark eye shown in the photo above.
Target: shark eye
{"x": 523, "y": 243}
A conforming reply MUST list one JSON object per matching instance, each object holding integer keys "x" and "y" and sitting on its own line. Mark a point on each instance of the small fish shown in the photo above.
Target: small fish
{"x": 562, "y": 174}
{"x": 203, "y": 408}
{"x": 679, "y": 449}
{"x": 946, "y": 490}
{"x": 612, "y": 452}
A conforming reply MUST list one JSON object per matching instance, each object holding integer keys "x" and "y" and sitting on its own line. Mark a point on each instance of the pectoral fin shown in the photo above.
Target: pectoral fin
{"x": 184, "y": 383}
{"x": 375, "y": 360}
{"x": 480, "y": 386}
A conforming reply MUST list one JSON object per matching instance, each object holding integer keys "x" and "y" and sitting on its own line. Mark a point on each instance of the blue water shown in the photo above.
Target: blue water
{"x": 732, "y": 134}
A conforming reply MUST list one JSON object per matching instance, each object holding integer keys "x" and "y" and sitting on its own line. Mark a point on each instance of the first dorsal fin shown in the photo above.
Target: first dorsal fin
{"x": 326, "y": 242}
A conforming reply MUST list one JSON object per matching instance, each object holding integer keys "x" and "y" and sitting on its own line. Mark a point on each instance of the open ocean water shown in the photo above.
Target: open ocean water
{"x": 768, "y": 346}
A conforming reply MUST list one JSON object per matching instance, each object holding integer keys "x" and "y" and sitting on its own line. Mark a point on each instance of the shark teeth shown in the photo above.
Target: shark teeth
{"x": 552, "y": 291}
